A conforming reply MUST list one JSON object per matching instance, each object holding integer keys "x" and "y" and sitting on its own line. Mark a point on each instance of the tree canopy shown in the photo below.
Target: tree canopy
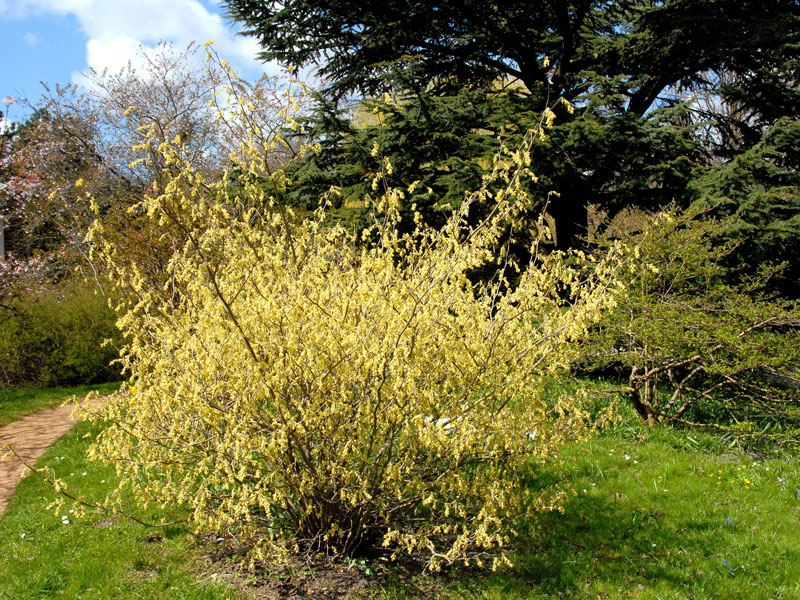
{"x": 637, "y": 47}
{"x": 659, "y": 89}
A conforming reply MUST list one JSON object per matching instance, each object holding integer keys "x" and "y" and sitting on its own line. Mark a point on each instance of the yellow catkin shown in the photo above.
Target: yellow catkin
{"x": 310, "y": 392}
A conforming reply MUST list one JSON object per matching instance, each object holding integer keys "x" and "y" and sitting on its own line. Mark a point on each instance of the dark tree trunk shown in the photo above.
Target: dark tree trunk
{"x": 643, "y": 406}
{"x": 570, "y": 217}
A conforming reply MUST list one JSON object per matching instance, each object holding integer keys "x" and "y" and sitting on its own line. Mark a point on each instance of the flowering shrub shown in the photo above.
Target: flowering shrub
{"x": 306, "y": 389}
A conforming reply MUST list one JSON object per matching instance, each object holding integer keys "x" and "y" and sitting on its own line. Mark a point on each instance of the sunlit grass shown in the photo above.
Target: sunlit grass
{"x": 16, "y": 403}
{"x": 44, "y": 554}
{"x": 652, "y": 514}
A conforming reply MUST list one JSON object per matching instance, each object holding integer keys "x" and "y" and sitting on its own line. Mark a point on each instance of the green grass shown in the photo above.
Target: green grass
{"x": 16, "y": 403}
{"x": 92, "y": 557}
{"x": 652, "y": 525}
{"x": 672, "y": 516}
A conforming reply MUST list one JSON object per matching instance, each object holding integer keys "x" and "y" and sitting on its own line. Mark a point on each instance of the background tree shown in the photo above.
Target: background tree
{"x": 48, "y": 173}
{"x": 758, "y": 193}
{"x": 8, "y": 131}
{"x": 102, "y": 141}
{"x": 616, "y": 62}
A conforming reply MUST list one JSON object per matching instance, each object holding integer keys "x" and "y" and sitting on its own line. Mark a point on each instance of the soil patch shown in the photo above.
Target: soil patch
{"x": 322, "y": 577}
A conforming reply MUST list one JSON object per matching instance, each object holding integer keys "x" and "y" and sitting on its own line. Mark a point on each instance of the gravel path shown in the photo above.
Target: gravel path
{"x": 30, "y": 437}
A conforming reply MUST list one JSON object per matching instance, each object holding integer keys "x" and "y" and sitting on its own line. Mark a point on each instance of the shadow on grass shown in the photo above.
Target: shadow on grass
{"x": 611, "y": 541}
{"x": 595, "y": 539}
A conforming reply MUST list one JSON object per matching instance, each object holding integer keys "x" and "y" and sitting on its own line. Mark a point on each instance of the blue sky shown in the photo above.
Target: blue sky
{"x": 56, "y": 40}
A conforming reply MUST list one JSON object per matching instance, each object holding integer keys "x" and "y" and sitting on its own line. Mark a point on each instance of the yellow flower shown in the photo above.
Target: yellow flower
{"x": 281, "y": 358}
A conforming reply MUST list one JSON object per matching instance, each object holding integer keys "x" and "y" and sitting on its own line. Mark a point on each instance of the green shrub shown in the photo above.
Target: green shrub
{"x": 697, "y": 348}
{"x": 54, "y": 337}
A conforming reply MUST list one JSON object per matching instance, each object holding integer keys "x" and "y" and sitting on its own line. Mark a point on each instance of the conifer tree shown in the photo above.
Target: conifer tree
{"x": 633, "y": 69}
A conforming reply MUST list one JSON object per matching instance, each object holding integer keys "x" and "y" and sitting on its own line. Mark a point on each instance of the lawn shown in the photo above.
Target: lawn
{"x": 654, "y": 514}
{"x": 16, "y": 403}
{"x": 58, "y": 555}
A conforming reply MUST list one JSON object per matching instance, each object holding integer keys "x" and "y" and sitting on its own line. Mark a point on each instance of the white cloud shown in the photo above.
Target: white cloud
{"x": 116, "y": 28}
{"x": 111, "y": 52}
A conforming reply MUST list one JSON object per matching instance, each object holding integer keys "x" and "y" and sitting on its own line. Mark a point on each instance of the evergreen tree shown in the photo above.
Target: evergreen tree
{"x": 635, "y": 71}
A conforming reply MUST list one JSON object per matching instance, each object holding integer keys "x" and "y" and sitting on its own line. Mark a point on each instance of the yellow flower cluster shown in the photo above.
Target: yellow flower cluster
{"x": 310, "y": 390}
